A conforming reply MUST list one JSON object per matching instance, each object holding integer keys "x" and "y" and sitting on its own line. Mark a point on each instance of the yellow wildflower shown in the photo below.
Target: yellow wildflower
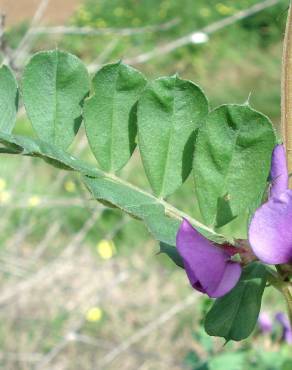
{"x": 94, "y": 314}
{"x": 70, "y": 186}
{"x": 34, "y": 201}
{"x": 106, "y": 249}
{"x": 5, "y": 196}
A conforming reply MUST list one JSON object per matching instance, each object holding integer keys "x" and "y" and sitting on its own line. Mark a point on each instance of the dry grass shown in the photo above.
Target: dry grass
{"x": 148, "y": 310}
{"x": 22, "y": 10}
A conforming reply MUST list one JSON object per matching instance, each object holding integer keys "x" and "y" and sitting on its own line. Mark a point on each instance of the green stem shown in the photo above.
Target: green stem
{"x": 274, "y": 279}
{"x": 121, "y": 193}
{"x": 284, "y": 287}
{"x": 287, "y": 292}
{"x": 170, "y": 210}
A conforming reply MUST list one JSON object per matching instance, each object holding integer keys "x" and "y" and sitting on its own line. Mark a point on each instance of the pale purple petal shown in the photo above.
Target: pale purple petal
{"x": 208, "y": 267}
{"x": 287, "y": 336}
{"x": 279, "y": 171}
{"x": 265, "y": 322}
{"x": 270, "y": 230}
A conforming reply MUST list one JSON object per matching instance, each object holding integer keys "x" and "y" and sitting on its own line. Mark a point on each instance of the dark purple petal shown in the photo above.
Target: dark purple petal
{"x": 208, "y": 267}
{"x": 282, "y": 319}
{"x": 265, "y": 322}
{"x": 270, "y": 230}
{"x": 287, "y": 330}
{"x": 279, "y": 171}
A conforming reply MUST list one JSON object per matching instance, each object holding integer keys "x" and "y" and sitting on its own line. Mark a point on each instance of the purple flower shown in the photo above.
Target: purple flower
{"x": 265, "y": 323}
{"x": 279, "y": 172}
{"x": 208, "y": 266}
{"x": 270, "y": 231}
{"x": 287, "y": 331}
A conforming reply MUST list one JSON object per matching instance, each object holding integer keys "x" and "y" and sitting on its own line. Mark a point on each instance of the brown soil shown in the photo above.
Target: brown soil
{"x": 58, "y": 11}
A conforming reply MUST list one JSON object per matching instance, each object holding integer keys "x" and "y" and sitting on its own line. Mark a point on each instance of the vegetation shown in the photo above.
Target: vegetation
{"x": 227, "y": 67}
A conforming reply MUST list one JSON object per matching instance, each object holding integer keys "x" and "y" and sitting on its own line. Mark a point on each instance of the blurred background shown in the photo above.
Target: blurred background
{"x": 81, "y": 284}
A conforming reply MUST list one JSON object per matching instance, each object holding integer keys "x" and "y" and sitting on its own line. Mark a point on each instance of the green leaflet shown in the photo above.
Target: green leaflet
{"x": 172, "y": 253}
{"x": 110, "y": 114}
{"x": 54, "y": 86}
{"x": 169, "y": 113}
{"x": 8, "y": 99}
{"x": 160, "y": 217}
{"x": 232, "y": 162}
{"x": 234, "y": 316}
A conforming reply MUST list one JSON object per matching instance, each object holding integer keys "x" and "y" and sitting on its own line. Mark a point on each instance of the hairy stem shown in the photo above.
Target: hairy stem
{"x": 109, "y": 188}
{"x": 286, "y": 99}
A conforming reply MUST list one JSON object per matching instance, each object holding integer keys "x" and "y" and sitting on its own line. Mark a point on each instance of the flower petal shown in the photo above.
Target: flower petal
{"x": 279, "y": 171}
{"x": 208, "y": 267}
{"x": 265, "y": 322}
{"x": 282, "y": 318}
{"x": 270, "y": 231}
{"x": 287, "y": 330}
{"x": 229, "y": 279}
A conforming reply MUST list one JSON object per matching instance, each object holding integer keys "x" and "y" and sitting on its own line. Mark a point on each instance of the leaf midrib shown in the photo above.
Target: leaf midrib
{"x": 162, "y": 192}
{"x": 229, "y": 165}
{"x": 55, "y": 98}
{"x": 112, "y": 119}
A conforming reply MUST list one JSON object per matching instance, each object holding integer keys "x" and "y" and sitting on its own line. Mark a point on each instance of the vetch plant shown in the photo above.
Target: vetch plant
{"x": 239, "y": 243}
